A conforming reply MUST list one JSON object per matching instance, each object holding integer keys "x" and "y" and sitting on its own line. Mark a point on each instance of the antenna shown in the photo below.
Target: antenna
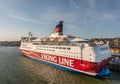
{"x": 29, "y": 36}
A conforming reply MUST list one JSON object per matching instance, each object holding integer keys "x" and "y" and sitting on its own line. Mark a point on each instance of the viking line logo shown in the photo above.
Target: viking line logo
{"x": 59, "y": 60}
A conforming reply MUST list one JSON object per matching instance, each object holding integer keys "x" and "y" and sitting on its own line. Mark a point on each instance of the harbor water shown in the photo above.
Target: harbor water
{"x": 18, "y": 69}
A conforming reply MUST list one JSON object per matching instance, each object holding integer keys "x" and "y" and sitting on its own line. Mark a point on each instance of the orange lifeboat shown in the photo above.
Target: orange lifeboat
{"x": 62, "y": 39}
{"x": 52, "y": 38}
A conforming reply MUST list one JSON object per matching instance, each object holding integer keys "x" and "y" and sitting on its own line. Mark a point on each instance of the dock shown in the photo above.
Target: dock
{"x": 115, "y": 62}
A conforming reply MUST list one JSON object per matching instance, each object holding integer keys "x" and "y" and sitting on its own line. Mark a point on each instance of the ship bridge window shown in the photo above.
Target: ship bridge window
{"x": 106, "y": 48}
{"x": 36, "y": 43}
{"x": 83, "y": 41}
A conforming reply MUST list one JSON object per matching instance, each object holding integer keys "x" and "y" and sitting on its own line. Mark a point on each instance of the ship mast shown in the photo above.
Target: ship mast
{"x": 30, "y": 36}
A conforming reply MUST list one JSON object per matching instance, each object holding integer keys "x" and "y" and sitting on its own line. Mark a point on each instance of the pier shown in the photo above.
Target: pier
{"x": 115, "y": 62}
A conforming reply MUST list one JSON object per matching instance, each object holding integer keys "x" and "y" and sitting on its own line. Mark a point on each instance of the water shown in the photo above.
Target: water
{"x": 18, "y": 69}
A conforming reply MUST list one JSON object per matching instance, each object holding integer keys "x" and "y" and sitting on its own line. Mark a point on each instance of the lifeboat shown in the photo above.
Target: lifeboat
{"x": 62, "y": 39}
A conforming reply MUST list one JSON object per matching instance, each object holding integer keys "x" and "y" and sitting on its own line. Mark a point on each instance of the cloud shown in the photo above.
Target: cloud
{"x": 56, "y": 14}
{"x": 91, "y": 3}
{"x": 83, "y": 5}
{"x": 109, "y": 16}
{"x": 24, "y": 19}
{"x": 74, "y": 4}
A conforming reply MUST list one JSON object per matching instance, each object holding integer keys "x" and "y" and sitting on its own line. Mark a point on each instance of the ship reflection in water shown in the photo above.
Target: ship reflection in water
{"x": 18, "y": 69}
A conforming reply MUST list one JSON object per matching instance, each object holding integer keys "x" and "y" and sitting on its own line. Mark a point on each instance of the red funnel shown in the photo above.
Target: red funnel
{"x": 59, "y": 28}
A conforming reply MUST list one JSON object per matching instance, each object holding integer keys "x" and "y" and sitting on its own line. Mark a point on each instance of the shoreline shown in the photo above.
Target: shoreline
{"x": 10, "y": 43}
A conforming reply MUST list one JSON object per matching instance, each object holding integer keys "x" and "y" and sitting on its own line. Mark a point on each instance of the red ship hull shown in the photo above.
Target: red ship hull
{"x": 70, "y": 63}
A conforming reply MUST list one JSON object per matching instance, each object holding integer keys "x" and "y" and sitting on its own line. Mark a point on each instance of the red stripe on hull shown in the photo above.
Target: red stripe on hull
{"x": 79, "y": 65}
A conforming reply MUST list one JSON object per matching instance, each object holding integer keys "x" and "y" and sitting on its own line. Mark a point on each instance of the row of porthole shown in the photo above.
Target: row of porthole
{"x": 67, "y": 48}
{"x": 61, "y": 54}
{"x": 70, "y": 56}
{"x": 59, "y": 51}
{"x": 69, "y": 52}
{"x": 45, "y": 49}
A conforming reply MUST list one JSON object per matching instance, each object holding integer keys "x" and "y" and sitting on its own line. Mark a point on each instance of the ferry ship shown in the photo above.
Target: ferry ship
{"x": 69, "y": 52}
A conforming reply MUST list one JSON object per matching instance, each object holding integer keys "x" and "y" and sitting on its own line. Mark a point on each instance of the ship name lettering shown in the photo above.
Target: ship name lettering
{"x": 66, "y": 62}
{"x": 49, "y": 58}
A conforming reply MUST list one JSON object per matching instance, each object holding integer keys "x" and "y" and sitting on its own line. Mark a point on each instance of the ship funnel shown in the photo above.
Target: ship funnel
{"x": 58, "y": 31}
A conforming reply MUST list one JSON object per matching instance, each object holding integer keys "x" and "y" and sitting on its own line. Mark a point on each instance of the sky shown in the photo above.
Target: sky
{"x": 82, "y": 18}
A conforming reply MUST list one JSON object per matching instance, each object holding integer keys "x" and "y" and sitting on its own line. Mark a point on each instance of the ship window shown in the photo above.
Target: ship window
{"x": 60, "y": 48}
{"x": 68, "y": 48}
{"x": 64, "y": 48}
